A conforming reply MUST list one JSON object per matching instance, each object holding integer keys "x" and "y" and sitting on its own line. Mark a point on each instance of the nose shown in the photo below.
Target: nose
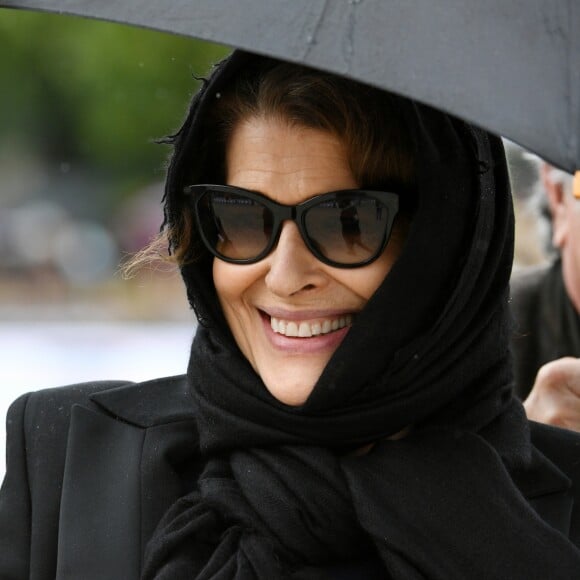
{"x": 292, "y": 269}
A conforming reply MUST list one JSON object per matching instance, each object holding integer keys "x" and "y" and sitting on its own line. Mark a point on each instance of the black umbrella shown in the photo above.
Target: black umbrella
{"x": 512, "y": 67}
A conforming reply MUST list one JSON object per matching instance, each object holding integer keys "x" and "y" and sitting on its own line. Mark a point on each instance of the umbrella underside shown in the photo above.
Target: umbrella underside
{"x": 509, "y": 67}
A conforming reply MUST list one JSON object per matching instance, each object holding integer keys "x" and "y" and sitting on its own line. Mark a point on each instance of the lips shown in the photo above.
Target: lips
{"x": 309, "y": 328}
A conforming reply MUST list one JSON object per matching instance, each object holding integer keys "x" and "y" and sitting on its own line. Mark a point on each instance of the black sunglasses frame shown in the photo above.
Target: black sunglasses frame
{"x": 297, "y": 214}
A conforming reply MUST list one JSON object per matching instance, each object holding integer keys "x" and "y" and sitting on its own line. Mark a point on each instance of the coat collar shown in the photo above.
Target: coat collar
{"x": 149, "y": 403}
{"x": 548, "y": 490}
{"x": 554, "y": 467}
{"x": 541, "y": 478}
{"x": 131, "y": 452}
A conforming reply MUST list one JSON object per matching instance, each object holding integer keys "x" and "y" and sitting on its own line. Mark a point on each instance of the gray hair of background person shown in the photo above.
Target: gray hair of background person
{"x": 525, "y": 170}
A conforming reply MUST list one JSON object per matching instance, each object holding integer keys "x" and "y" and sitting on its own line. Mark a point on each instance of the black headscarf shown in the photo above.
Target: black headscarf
{"x": 282, "y": 495}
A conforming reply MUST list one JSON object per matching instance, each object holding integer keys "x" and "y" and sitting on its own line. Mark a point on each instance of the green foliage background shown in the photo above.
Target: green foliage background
{"x": 95, "y": 95}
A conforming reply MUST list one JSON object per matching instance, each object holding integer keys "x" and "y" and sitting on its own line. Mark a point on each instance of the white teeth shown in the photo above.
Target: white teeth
{"x": 291, "y": 329}
{"x": 307, "y": 329}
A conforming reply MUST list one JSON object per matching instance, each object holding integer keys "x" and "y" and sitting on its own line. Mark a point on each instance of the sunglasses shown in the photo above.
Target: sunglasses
{"x": 344, "y": 229}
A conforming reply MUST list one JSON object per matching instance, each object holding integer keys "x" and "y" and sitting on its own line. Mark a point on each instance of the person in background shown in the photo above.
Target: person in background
{"x": 545, "y": 301}
{"x": 531, "y": 231}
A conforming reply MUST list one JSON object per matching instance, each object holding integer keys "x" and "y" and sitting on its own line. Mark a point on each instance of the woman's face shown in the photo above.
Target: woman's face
{"x": 291, "y": 164}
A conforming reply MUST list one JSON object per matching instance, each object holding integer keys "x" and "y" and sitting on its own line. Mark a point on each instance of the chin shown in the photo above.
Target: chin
{"x": 292, "y": 393}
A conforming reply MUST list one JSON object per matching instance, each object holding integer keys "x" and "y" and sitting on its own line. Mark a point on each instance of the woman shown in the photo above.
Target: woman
{"x": 347, "y": 411}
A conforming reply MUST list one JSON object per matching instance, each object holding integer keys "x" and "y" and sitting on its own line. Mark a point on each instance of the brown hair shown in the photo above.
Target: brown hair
{"x": 367, "y": 120}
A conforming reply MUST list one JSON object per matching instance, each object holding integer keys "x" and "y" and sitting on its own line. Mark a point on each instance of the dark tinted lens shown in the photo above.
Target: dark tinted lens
{"x": 238, "y": 228}
{"x": 347, "y": 229}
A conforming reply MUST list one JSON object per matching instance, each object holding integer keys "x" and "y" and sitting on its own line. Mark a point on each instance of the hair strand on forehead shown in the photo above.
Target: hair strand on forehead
{"x": 368, "y": 121}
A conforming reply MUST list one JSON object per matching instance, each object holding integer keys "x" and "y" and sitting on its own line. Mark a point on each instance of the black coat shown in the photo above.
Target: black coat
{"x": 546, "y": 324}
{"x": 91, "y": 468}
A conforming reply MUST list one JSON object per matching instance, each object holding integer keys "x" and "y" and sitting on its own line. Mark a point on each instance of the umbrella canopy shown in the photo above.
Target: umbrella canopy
{"x": 510, "y": 67}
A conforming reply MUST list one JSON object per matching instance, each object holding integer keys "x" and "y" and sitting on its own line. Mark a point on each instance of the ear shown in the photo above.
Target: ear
{"x": 558, "y": 202}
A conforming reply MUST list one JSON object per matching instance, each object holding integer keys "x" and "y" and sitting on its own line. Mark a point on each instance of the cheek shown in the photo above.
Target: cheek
{"x": 368, "y": 279}
{"x": 233, "y": 284}
{"x": 365, "y": 281}
{"x": 229, "y": 284}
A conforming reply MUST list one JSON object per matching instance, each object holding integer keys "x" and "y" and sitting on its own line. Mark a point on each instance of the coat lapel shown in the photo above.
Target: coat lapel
{"x": 128, "y": 457}
{"x": 99, "y": 514}
{"x": 547, "y": 481}
{"x": 549, "y": 492}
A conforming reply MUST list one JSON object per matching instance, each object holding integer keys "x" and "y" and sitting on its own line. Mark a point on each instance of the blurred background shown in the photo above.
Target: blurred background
{"x": 81, "y": 105}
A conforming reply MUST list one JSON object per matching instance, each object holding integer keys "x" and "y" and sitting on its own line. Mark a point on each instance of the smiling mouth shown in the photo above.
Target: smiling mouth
{"x": 309, "y": 328}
